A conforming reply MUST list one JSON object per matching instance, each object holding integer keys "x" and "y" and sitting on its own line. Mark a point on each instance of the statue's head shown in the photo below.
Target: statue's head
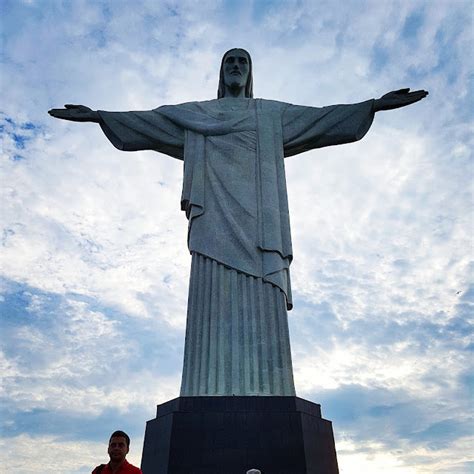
{"x": 236, "y": 71}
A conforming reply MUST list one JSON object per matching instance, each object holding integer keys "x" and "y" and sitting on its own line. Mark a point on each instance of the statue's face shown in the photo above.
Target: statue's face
{"x": 236, "y": 69}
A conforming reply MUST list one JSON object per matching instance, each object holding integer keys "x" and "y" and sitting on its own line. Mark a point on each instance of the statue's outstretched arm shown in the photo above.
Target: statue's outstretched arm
{"x": 399, "y": 98}
{"x": 131, "y": 131}
{"x": 75, "y": 113}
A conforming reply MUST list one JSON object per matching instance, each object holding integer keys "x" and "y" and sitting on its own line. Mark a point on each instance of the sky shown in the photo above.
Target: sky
{"x": 94, "y": 264}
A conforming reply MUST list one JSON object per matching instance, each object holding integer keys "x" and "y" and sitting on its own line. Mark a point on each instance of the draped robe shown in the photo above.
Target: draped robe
{"x": 234, "y": 196}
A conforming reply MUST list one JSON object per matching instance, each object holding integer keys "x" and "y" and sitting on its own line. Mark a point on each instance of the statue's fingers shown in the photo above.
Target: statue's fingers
{"x": 421, "y": 92}
{"x": 403, "y": 91}
{"x": 412, "y": 98}
{"x": 59, "y": 113}
{"x": 71, "y": 106}
{"x": 55, "y": 111}
{"x": 418, "y": 95}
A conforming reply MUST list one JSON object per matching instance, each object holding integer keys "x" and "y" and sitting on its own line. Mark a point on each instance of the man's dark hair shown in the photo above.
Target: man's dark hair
{"x": 248, "y": 86}
{"x": 121, "y": 434}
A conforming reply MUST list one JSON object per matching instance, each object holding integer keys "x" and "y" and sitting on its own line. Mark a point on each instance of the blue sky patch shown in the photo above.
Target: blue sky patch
{"x": 413, "y": 24}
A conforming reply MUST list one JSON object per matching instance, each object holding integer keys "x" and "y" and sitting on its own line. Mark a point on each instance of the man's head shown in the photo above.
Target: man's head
{"x": 236, "y": 72}
{"x": 119, "y": 445}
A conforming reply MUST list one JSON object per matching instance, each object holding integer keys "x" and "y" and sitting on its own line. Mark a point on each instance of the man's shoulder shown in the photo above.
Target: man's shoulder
{"x": 99, "y": 469}
{"x": 131, "y": 469}
{"x": 127, "y": 468}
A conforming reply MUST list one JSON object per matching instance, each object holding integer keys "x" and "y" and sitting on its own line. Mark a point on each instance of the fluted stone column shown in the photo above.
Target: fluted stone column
{"x": 237, "y": 340}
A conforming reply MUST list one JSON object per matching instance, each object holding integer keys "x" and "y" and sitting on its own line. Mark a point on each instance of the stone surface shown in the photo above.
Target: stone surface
{"x": 230, "y": 435}
{"x": 234, "y": 195}
{"x": 234, "y": 185}
{"x": 237, "y": 339}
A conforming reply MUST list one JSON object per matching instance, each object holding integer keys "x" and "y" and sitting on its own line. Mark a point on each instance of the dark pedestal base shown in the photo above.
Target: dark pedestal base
{"x": 229, "y": 435}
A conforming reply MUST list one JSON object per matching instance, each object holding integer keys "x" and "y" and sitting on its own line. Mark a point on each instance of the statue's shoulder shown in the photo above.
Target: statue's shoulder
{"x": 183, "y": 105}
{"x": 268, "y": 105}
{"x": 201, "y": 106}
{"x": 217, "y": 105}
{"x": 270, "y": 108}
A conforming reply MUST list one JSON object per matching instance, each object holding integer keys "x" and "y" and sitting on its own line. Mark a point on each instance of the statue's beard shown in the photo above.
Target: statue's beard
{"x": 235, "y": 82}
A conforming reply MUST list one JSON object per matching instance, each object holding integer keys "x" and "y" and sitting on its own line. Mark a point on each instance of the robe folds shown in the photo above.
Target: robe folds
{"x": 234, "y": 196}
{"x": 234, "y": 188}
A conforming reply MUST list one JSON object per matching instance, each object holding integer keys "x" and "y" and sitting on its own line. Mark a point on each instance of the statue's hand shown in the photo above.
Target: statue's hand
{"x": 400, "y": 98}
{"x": 76, "y": 113}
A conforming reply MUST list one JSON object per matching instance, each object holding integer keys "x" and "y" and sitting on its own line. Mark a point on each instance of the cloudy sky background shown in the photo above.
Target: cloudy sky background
{"x": 94, "y": 260}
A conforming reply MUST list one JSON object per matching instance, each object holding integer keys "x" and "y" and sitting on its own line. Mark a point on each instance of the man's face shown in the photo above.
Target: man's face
{"x": 236, "y": 69}
{"x": 118, "y": 448}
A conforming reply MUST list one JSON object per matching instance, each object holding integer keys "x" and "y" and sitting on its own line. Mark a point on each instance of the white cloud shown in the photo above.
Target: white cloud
{"x": 96, "y": 243}
{"x": 375, "y": 458}
{"x": 25, "y": 453}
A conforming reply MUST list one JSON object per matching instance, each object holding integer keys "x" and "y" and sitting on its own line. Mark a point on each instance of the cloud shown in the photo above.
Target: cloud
{"x": 23, "y": 453}
{"x": 69, "y": 354}
{"x": 94, "y": 261}
{"x": 394, "y": 422}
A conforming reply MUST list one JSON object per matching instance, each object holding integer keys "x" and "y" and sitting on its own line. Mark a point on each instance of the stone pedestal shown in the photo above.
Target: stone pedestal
{"x": 230, "y": 435}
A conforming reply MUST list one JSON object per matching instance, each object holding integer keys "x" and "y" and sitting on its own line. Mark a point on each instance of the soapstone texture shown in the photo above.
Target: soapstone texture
{"x": 237, "y": 339}
{"x": 234, "y": 195}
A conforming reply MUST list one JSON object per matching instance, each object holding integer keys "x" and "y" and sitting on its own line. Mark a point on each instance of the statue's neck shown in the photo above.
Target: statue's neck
{"x": 235, "y": 92}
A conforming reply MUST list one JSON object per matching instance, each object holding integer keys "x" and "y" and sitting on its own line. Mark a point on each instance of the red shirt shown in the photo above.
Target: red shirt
{"x": 125, "y": 468}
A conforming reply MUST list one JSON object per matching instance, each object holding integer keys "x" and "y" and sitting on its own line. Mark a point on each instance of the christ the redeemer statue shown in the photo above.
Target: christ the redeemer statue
{"x": 235, "y": 198}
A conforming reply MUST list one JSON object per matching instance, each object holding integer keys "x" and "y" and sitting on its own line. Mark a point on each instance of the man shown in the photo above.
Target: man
{"x": 119, "y": 445}
{"x": 234, "y": 195}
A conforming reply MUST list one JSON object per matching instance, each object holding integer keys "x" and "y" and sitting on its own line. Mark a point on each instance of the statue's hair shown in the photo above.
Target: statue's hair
{"x": 248, "y": 85}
